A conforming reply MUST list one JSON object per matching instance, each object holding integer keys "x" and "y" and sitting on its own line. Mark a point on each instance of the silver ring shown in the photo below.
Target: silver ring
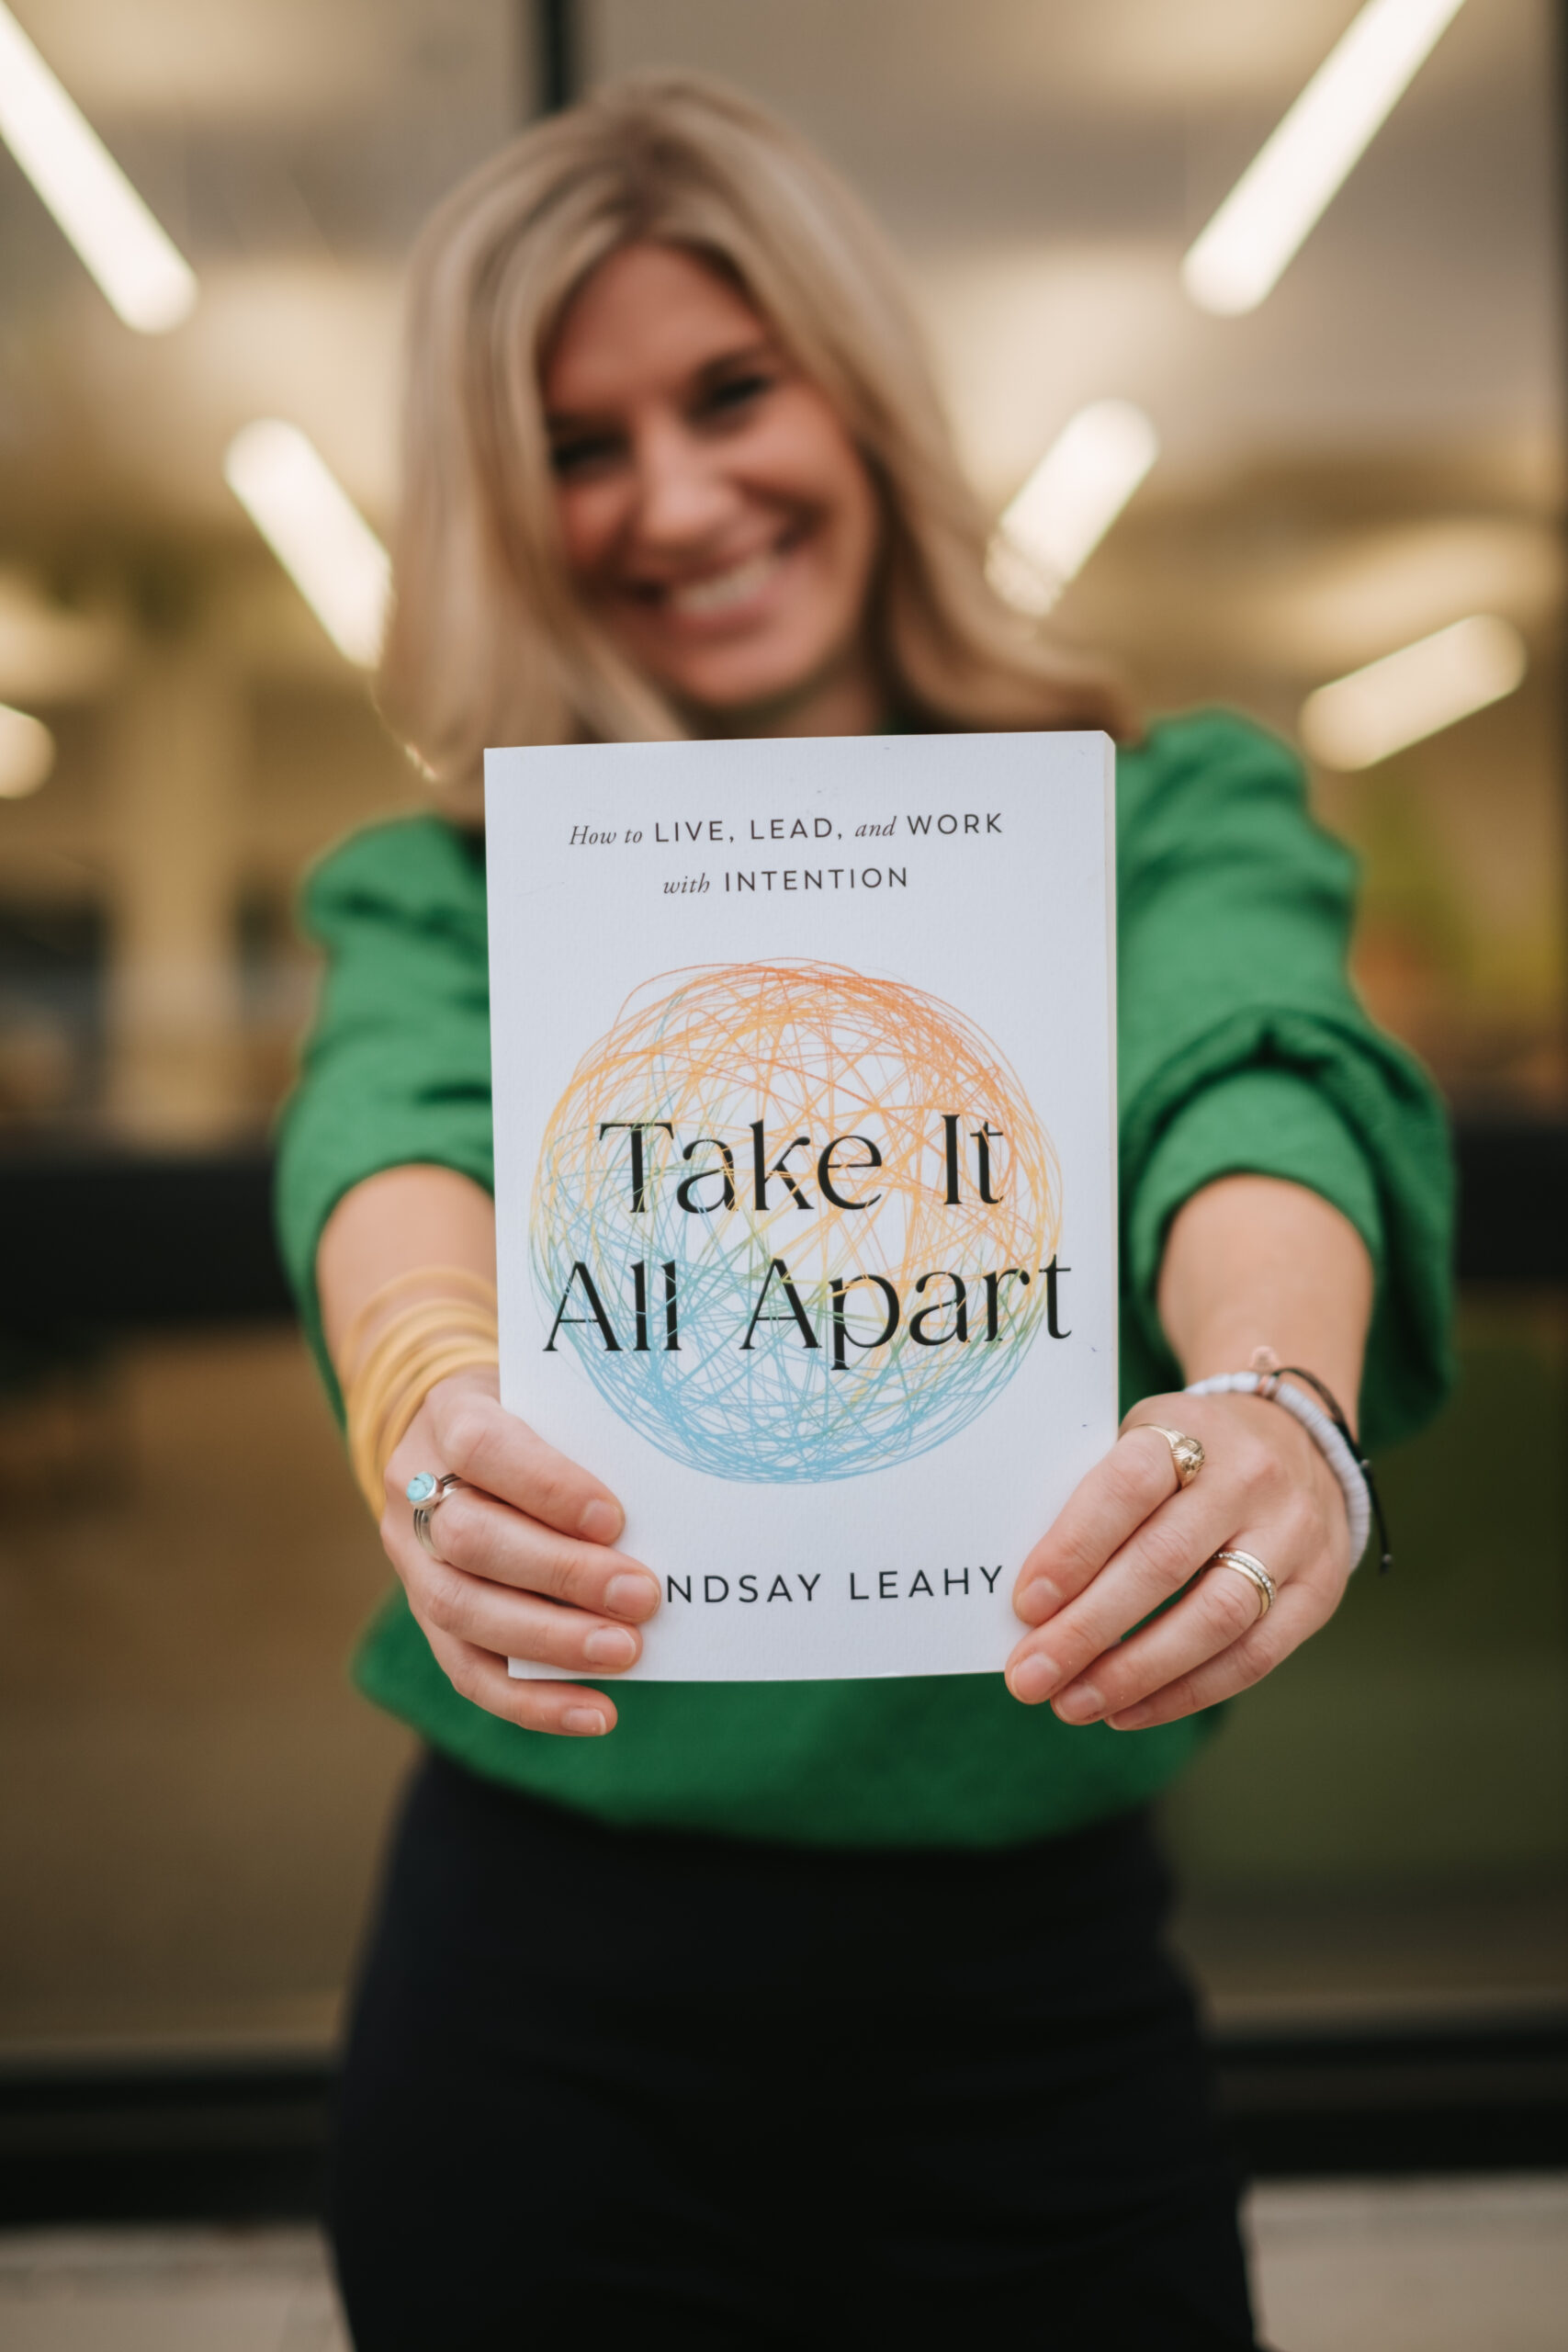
{"x": 1255, "y": 1572}
{"x": 427, "y": 1492}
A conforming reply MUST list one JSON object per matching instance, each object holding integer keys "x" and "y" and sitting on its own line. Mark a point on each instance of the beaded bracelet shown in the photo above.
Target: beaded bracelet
{"x": 1328, "y": 1431}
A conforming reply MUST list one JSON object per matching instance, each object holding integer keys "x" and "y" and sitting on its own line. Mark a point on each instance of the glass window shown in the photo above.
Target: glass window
{"x": 192, "y": 1796}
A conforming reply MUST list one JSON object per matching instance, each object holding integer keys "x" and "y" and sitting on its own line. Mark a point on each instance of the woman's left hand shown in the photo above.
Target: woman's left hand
{"x": 1129, "y": 1538}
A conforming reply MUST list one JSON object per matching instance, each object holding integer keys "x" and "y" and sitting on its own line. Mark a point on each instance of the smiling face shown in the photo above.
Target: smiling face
{"x": 713, "y": 513}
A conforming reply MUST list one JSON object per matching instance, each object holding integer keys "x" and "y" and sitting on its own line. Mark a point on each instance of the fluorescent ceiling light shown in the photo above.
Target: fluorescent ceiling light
{"x": 150, "y": 284}
{"x": 316, "y": 532}
{"x": 27, "y": 753}
{"x": 1363, "y": 591}
{"x": 1069, "y": 502}
{"x": 1295, "y": 175}
{"x": 1414, "y": 693}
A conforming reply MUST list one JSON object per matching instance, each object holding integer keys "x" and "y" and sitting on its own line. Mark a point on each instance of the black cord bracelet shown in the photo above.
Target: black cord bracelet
{"x": 1336, "y": 1413}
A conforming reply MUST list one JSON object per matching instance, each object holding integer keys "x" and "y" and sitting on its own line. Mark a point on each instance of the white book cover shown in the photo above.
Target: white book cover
{"x": 804, "y": 1066}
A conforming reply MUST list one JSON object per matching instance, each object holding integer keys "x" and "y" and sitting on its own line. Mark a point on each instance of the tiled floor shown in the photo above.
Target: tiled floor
{"x": 1434, "y": 2266}
{"x": 1450, "y": 2266}
{"x": 167, "y": 2290}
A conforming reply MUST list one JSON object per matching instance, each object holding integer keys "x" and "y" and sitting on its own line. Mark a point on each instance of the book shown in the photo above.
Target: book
{"x": 803, "y": 1071}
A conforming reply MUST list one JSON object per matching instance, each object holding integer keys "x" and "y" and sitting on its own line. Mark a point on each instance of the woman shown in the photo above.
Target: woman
{"x": 778, "y": 2013}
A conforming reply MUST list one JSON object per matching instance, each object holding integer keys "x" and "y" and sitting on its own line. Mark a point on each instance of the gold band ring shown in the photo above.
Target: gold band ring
{"x": 1255, "y": 1572}
{"x": 1187, "y": 1456}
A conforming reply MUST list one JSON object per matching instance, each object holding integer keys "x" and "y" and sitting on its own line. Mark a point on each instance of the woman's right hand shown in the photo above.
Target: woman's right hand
{"x": 527, "y": 1568}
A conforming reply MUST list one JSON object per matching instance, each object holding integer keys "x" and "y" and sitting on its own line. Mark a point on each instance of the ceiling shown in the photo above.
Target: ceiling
{"x": 1042, "y": 164}
{"x": 1372, "y": 454}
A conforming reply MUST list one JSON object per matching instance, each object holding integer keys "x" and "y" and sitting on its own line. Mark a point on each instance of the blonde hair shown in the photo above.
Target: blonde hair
{"x": 488, "y": 642}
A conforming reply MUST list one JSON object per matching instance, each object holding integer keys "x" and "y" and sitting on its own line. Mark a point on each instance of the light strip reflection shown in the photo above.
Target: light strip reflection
{"x": 1296, "y": 174}
{"x": 1415, "y": 692}
{"x": 146, "y": 280}
{"x": 27, "y": 753}
{"x": 316, "y": 532}
{"x": 1069, "y": 502}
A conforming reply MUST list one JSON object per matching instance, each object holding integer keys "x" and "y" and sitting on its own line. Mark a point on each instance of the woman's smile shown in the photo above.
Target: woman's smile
{"x": 714, "y": 511}
{"x": 727, "y": 593}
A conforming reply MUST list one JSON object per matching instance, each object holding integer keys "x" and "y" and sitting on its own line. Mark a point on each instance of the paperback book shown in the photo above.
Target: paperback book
{"x": 803, "y": 1071}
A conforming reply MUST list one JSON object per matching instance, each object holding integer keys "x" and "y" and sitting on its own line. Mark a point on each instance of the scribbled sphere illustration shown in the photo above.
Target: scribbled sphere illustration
{"x": 784, "y": 1169}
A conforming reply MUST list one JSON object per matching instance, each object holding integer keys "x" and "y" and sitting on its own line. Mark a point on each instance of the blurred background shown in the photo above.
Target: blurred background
{"x": 1278, "y": 496}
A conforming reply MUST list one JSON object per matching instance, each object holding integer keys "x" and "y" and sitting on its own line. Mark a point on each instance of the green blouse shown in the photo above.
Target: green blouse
{"x": 1242, "y": 1047}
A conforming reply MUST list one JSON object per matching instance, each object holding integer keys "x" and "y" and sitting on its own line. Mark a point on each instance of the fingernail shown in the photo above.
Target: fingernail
{"x": 610, "y": 1646}
{"x": 602, "y": 1520}
{"x": 1032, "y": 1679}
{"x": 634, "y": 1595}
{"x": 586, "y": 1720}
{"x": 1034, "y": 1603}
{"x": 1079, "y": 1703}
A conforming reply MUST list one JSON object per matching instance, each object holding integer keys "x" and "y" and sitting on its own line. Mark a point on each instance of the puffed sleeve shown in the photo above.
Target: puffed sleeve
{"x": 396, "y": 1068}
{"x": 1244, "y": 1049}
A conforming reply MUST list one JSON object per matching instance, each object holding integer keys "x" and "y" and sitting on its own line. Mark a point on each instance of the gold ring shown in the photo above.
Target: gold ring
{"x": 1255, "y": 1572}
{"x": 1187, "y": 1454}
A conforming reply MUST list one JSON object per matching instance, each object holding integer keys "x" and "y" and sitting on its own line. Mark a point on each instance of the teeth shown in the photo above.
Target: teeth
{"x": 724, "y": 588}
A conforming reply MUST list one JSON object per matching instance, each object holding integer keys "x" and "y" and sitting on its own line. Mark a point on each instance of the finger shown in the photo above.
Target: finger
{"x": 1098, "y": 1517}
{"x": 487, "y": 1538}
{"x": 1220, "y": 1608}
{"x": 492, "y": 1448}
{"x": 565, "y": 1708}
{"x": 492, "y": 1618}
{"x": 1162, "y": 1555}
{"x": 1296, "y": 1613}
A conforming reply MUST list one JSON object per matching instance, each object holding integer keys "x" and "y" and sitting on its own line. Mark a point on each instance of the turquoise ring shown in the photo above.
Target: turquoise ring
{"x": 427, "y": 1490}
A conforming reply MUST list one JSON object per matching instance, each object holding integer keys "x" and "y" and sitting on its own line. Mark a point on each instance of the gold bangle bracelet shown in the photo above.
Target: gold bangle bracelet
{"x": 446, "y": 1279}
{"x": 406, "y": 1330}
{"x": 380, "y": 1425}
{"x": 421, "y": 1343}
{"x": 376, "y": 1433}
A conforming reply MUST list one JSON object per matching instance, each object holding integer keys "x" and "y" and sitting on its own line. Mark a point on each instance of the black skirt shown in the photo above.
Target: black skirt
{"x": 632, "y": 2088}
